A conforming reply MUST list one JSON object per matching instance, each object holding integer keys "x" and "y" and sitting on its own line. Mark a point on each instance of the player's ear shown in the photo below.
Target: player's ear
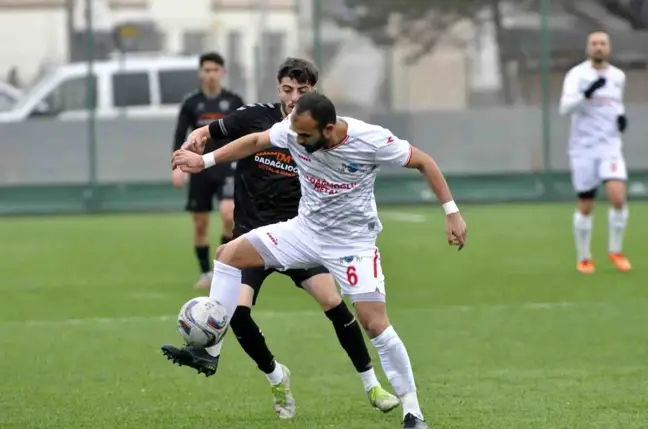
{"x": 328, "y": 130}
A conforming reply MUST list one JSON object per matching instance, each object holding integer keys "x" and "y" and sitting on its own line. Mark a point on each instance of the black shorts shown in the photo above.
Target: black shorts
{"x": 203, "y": 188}
{"x": 254, "y": 277}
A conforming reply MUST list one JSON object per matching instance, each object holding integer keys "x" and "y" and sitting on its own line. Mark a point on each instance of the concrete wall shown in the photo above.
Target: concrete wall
{"x": 468, "y": 142}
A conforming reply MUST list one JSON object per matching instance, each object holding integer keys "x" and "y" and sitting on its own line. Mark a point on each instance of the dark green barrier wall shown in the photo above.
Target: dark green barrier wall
{"x": 409, "y": 189}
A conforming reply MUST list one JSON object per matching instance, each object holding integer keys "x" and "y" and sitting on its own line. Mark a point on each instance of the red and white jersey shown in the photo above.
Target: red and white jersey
{"x": 593, "y": 121}
{"x": 337, "y": 184}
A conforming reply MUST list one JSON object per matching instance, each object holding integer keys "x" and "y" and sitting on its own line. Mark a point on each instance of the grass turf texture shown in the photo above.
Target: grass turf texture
{"x": 505, "y": 334}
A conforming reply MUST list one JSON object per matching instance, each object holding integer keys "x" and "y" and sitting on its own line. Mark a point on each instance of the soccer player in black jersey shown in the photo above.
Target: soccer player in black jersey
{"x": 267, "y": 191}
{"x": 211, "y": 102}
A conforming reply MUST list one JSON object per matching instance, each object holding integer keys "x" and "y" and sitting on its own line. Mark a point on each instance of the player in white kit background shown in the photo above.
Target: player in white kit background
{"x": 337, "y": 225}
{"x": 593, "y": 96}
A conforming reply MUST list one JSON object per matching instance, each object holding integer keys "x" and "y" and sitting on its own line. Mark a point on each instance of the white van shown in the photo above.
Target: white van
{"x": 135, "y": 86}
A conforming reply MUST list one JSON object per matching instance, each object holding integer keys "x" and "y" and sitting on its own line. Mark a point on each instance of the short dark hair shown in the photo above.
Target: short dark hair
{"x": 320, "y": 108}
{"x": 302, "y": 71}
{"x": 213, "y": 57}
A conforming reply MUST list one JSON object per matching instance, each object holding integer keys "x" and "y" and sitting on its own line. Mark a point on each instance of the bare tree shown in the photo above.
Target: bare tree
{"x": 422, "y": 24}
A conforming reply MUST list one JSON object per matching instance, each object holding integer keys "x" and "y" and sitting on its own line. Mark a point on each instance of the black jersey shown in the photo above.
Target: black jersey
{"x": 267, "y": 188}
{"x": 198, "y": 110}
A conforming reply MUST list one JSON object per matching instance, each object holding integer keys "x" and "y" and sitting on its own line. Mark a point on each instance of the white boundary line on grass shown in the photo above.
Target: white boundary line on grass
{"x": 403, "y": 217}
{"x": 288, "y": 314}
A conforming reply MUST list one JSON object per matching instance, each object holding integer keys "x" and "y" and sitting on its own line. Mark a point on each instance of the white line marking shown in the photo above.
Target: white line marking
{"x": 404, "y": 217}
{"x": 292, "y": 314}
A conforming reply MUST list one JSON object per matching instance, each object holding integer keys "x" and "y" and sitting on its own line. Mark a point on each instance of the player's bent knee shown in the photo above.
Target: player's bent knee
{"x": 372, "y": 316}
{"x": 616, "y": 191}
{"x": 227, "y": 212}
{"x": 201, "y": 224}
{"x": 585, "y": 205}
{"x": 219, "y": 250}
{"x": 239, "y": 253}
{"x": 323, "y": 289}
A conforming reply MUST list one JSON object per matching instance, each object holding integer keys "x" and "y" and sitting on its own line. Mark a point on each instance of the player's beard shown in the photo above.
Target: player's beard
{"x": 310, "y": 148}
{"x": 598, "y": 59}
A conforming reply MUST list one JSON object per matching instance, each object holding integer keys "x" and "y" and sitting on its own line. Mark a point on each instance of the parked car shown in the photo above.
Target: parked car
{"x": 135, "y": 86}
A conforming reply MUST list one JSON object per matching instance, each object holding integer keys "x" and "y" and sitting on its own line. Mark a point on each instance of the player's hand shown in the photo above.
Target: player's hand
{"x": 456, "y": 230}
{"x": 178, "y": 178}
{"x": 197, "y": 140}
{"x": 596, "y": 85}
{"x": 188, "y": 162}
{"x": 622, "y": 123}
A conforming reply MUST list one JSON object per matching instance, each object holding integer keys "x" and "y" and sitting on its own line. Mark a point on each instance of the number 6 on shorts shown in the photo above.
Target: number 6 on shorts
{"x": 352, "y": 277}
{"x": 361, "y": 273}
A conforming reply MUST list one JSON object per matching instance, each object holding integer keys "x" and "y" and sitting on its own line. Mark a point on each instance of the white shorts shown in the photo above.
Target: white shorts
{"x": 589, "y": 171}
{"x": 290, "y": 245}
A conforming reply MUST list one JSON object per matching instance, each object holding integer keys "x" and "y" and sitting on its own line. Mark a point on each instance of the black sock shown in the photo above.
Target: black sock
{"x": 350, "y": 336}
{"x": 225, "y": 240}
{"x": 251, "y": 339}
{"x": 202, "y": 253}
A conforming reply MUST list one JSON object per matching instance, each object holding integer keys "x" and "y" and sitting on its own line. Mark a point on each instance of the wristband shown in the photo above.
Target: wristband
{"x": 450, "y": 207}
{"x": 209, "y": 160}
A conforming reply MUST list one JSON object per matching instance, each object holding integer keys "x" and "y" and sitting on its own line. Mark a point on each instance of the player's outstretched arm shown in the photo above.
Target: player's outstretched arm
{"x": 432, "y": 173}
{"x": 455, "y": 225}
{"x": 192, "y": 162}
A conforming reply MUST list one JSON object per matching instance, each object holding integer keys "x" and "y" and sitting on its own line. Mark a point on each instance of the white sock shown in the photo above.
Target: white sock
{"x": 396, "y": 364}
{"x": 226, "y": 289}
{"x": 215, "y": 349}
{"x": 276, "y": 376}
{"x": 617, "y": 221}
{"x": 411, "y": 405}
{"x": 583, "y": 234}
{"x": 369, "y": 379}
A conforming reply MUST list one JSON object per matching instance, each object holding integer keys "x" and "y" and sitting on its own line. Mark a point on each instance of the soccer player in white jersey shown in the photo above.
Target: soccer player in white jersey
{"x": 593, "y": 97}
{"x": 337, "y": 225}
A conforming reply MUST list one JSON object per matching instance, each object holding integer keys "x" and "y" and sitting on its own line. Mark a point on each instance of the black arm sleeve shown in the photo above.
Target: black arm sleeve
{"x": 238, "y": 102}
{"x": 182, "y": 126}
{"x": 231, "y": 126}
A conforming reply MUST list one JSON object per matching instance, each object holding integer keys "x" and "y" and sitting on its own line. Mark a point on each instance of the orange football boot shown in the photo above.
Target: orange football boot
{"x": 620, "y": 261}
{"x": 586, "y": 266}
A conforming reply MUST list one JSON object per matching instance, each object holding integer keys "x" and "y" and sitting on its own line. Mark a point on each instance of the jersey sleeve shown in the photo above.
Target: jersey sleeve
{"x": 391, "y": 150}
{"x": 184, "y": 122}
{"x": 279, "y": 133}
{"x": 622, "y": 110}
{"x": 571, "y": 97}
{"x": 232, "y": 126}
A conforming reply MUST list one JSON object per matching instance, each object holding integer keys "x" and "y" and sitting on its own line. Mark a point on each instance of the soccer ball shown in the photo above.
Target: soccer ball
{"x": 202, "y": 322}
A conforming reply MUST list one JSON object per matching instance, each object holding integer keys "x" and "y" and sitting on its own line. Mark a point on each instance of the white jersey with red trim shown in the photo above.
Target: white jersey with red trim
{"x": 337, "y": 184}
{"x": 594, "y": 129}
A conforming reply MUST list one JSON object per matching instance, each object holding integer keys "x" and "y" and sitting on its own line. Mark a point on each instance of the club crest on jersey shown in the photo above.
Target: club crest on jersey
{"x": 350, "y": 168}
{"x": 224, "y": 105}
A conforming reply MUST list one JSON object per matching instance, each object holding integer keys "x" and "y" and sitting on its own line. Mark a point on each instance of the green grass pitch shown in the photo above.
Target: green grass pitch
{"x": 505, "y": 334}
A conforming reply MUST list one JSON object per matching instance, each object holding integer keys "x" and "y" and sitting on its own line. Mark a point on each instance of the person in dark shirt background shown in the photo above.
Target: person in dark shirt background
{"x": 199, "y": 108}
